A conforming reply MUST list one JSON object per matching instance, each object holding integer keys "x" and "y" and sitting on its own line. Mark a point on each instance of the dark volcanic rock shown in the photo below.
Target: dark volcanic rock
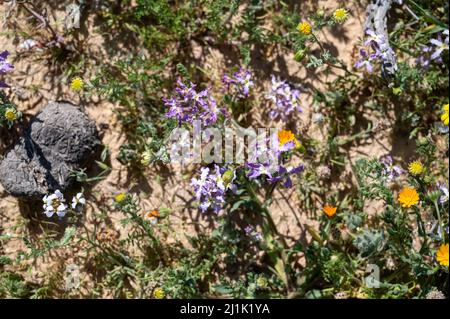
{"x": 60, "y": 138}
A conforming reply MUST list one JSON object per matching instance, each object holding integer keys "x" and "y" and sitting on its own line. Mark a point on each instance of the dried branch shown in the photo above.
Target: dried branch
{"x": 377, "y": 21}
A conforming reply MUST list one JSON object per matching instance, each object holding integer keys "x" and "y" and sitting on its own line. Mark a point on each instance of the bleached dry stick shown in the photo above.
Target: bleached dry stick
{"x": 377, "y": 21}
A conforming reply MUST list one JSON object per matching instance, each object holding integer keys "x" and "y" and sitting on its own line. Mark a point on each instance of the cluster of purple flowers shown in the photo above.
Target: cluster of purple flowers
{"x": 378, "y": 46}
{"x": 271, "y": 166}
{"x": 241, "y": 81}
{"x": 434, "y": 51}
{"x": 188, "y": 105}
{"x": 211, "y": 188}
{"x": 285, "y": 99}
{"x": 5, "y": 66}
{"x": 390, "y": 171}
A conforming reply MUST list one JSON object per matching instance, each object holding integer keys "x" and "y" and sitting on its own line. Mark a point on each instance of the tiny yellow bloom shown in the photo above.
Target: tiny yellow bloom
{"x": 415, "y": 168}
{"x": 159, "y": 293}
{"x": 408, "y": 197}
{"x": 77, "y": 84}
{"x": 445, "y": 115}
{"x": 304, "y": 28}
{"x": 262, "y": 282}
{"x": 10, "y": 114}
{"x": 146, "y": 157}
{"x": 330, "y": 211}
{"x": 340, "y": 15}
{"x": 120, "y": 197}
{"x": 442, "y": 255}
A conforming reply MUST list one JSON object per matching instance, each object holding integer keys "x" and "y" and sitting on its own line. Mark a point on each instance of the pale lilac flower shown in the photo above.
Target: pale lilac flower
{"x": 54, "y": 204}
{"x": 5, "y": 66}
{"x": 444, "y": 194}
{"x": 365, "y": 61}
{"x": 390, "y": 170}
{"x": 424, "y": 58}
{"x": 241, "y": 81}
{"x": 441, "y": 46}
{"x": 285, "y": 99}
{"x": 251, "y": 232}
{"x": 374, "y": 39}
{"x": 78, "y": 201}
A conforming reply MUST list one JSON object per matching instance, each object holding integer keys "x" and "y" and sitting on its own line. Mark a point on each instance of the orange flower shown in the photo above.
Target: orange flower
{"x": 442, "y": 255}
{"x": 285, "y": 136}
{"x": 330, "y": 211}
{"x": 152, "y": 214}
{"x": 408, "y": 197}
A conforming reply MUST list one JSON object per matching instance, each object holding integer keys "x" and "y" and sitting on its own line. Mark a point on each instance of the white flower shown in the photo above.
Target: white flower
{"x": 54, "y": 203}
{"x": 27, "y": 44}
{"x": 78, "y": 200}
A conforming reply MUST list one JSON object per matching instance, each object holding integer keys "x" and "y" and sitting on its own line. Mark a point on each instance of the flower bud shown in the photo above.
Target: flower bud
{"x": 300, "y": 55}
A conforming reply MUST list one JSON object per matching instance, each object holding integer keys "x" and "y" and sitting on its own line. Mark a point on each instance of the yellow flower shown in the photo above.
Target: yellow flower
{"x": 304, "y": 28}
{"x": 10, "y": 114}
{"x": 445, "y": 115}
{"x": 330, "y": 211}
{"x": 120, "y": 197}
{"x": 77, "y": 84}
{"x": 159, "y": 293}
{"x": 340, "y": 15}
{"x": 442, "y": 255}
{"x": 285, "y": 136}
{"x": 408, "y": 197}
{"x": 415, "y": 168}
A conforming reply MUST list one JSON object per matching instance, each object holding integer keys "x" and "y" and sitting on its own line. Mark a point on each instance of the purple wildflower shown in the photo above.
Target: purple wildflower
{"x": 285, "y": 99}
{"x": 270, "y": 168}
{"x": 373, "y": 39}
{"x": 188, "y": 105}
{"x": 284, "y": 174}
{"x": 5, "y": 66}
{"x": 240, "y": 80}
{"x": 251, "y": 232}
{"x": 390, "y": 170}
{"x": 441, "y": 46}
{"x": 378, "y": 45}
{"x": 365, "y": 61}
{"x": 444, "y": 193}
{"x": 210, "y": 189}
{"x": 424, "y": 58}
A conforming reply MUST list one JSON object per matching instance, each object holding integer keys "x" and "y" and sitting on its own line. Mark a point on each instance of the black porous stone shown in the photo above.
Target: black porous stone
{"x": 59, "y": 139}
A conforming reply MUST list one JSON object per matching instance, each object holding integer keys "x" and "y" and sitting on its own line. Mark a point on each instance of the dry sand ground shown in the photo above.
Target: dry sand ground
{"x": 34, "y": 82}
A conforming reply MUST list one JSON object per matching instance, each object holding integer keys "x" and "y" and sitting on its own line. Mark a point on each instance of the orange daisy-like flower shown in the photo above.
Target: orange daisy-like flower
{"x": 152, "y": 214}
{"x": 442, "y": 255}
{"x": 285, "y": 137}
{"x": 408, "y": 197}
{"x": 330, "y": 211}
